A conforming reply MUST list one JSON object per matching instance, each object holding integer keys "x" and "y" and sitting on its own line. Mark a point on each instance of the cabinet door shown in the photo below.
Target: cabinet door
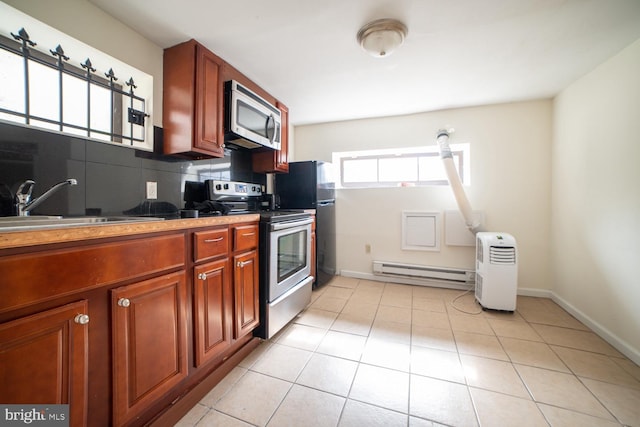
{"x": 43, "y": 359}
{"x": 246, "y": 293}
{"x": 209, "y": 126}
{"x": 149, "y": 343}
{"x": 213, "y": 304}
{"x": 282, "y": 155}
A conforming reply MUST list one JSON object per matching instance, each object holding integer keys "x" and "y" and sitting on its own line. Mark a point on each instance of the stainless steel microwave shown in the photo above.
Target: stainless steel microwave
{"x": 250, "y": 120}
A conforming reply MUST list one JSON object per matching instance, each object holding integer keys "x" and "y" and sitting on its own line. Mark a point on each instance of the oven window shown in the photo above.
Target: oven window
{"x": 292, "y": 254}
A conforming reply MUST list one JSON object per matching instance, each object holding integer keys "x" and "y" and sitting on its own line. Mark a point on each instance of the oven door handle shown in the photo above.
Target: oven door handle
{"x": 290, "y": 224}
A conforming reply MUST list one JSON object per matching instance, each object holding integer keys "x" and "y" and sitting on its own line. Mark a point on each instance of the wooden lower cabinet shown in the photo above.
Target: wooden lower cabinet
{"x": 246, "y": 292}
{"x": 171, "y": 314}
{"x": 43, "y": 359}
{"x": 213, "y": 302}
{"x": 149, "y": 335}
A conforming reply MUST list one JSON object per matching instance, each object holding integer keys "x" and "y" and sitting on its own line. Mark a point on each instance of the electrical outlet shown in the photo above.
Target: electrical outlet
{"x": 152, "y": 190}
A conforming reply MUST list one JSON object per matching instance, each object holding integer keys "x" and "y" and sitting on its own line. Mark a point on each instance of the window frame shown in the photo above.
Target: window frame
{"x": 126, "y": 122}
{"x": 461, "y": 157}
{"x": 50, "y": 62}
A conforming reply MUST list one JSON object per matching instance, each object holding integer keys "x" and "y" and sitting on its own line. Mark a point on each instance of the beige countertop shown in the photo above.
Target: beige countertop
{"x": 18, "y": 239}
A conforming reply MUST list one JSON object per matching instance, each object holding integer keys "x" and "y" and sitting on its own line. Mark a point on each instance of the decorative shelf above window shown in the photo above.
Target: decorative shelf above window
{"x": 47, "y": 86}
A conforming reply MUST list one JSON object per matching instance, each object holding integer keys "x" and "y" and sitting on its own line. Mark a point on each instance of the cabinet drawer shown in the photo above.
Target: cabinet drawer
{"x": 211, "y": 243}
{"x": 245, "y": 237}
{"x": 32, "y": 278}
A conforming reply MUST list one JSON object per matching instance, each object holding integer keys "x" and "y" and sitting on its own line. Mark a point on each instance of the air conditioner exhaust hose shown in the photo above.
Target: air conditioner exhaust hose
{"x": 454, "y": 181}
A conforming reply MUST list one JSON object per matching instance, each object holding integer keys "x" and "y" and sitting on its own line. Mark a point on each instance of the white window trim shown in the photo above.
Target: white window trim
{"x": 463, "y": 148}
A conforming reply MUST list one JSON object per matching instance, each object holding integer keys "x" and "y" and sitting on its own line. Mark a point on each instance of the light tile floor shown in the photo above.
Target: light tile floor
{"x": 380, "y": 354}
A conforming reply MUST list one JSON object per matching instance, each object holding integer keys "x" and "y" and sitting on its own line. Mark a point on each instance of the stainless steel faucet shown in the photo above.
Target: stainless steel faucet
{"x": 24, "y": 204}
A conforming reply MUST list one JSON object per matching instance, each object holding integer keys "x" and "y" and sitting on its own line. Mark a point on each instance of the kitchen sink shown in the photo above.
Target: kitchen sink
{"x": 36, "y": 222}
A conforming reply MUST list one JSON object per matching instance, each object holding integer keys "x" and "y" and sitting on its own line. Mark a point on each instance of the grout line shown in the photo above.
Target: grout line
{"x": 387, "y": 289}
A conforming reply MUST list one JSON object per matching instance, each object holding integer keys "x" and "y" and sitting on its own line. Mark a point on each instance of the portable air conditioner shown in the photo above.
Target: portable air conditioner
{"x": 496, "y": 271}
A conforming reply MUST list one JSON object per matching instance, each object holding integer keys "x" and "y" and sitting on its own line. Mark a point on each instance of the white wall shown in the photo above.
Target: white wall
{"x": 596, "y": 198}
{"x": 91, "y": 25}
{"x": 510, "y": 182}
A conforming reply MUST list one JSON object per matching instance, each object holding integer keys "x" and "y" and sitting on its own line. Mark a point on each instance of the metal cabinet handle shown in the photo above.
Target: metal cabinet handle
{"x": 81, "y": 319}
{"x": 219, "y": 239}
{"x": 241, "y": 264}
{"x": 124, "y": 302}
{"x": 248, "y": 234}
{"x": 202, "y": 276}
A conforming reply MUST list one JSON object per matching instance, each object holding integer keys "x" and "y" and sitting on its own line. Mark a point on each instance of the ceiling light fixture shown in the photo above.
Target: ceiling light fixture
{"x": 381, "y": 37}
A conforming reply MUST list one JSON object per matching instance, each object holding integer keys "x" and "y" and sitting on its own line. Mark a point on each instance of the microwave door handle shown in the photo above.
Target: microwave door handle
{"x": 271, "y": 118}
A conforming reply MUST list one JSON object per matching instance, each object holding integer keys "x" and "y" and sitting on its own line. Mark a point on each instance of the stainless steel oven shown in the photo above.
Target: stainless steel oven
{"x": 285, "y": 268}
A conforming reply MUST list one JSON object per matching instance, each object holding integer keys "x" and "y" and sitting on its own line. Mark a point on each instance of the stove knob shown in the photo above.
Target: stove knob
{"x": 218, "y": 186}
{"x": 226, "y": 186}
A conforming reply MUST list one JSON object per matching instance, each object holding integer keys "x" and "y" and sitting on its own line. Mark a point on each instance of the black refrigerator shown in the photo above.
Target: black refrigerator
{"x": 310, "y": 185}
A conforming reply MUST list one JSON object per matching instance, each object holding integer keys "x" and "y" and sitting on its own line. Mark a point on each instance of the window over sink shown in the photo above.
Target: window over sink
{"x": 54, "y": 82}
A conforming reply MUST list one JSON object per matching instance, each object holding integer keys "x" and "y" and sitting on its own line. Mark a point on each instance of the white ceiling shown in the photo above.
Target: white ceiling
{"x": 457, "y": 53}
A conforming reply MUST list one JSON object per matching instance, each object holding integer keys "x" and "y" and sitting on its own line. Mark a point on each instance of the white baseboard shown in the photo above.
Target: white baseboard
{"x": 528, "y": 292}
{"x": 534, "y": 292}
{"x": 618, "y": 343}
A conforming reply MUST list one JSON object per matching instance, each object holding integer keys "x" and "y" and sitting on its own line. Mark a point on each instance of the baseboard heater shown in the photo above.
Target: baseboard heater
{"x": 441, "y": 274}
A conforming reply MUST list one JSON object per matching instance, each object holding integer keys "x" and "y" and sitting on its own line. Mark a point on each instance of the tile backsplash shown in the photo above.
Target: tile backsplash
{"x": 111, "y": 179}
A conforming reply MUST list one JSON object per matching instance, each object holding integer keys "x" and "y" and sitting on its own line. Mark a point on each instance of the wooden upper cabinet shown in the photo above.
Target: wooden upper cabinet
{"x": 209, "y": 121}
{"x": 193, "y": 107}
{"x": 275, "y": 160}
{"x": 282, "y": 156}
{"x": 44, "y": 359}
{"x": 193, "y": 101}
{"x": 149, "y": 334}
